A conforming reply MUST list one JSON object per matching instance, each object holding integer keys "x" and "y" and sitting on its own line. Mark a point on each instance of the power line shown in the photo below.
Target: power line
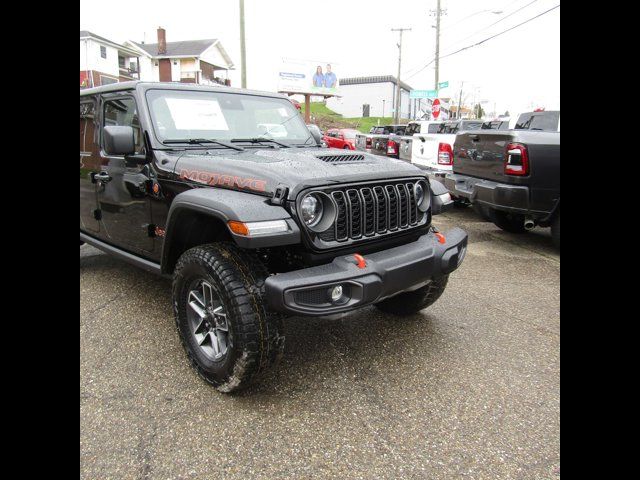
{"x": 457, "y": 42}
{"x": 448, "y": 27}
{"x": 485, "y": 40}
{"x": 482, "y": 29}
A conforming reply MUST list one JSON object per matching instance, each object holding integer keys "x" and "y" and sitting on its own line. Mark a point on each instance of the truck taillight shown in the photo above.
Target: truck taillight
{"x": 392, "y": 147}
{"x": 516, "y": 160}
{"x": 445, "y": 154}
{"x": 368, "y": 142}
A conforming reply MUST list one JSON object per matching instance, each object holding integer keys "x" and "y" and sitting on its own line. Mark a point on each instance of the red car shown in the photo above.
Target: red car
{"x": 344, "y": 138}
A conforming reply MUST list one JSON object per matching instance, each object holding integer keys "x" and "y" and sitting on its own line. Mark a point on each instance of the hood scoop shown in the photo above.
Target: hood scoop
{"x": 342, "y": 158}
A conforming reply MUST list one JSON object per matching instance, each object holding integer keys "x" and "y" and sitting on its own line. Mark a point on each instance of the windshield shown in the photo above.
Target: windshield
{"x": 191, "y": 114}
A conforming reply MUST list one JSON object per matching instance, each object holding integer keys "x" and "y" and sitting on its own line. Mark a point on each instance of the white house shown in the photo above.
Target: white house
{"x": 103, "y": 61}
{"x": 371, "y": 97}
{"x": 191, "y": 61}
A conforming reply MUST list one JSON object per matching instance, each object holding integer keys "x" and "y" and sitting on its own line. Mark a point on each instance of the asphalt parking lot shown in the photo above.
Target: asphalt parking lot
{"x": 469, "y": 388}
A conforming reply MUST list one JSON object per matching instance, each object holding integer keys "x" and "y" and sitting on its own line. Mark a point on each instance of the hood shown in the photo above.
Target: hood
{"x": 264, "y": 170}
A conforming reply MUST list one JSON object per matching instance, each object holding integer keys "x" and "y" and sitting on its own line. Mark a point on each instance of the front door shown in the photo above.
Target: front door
{"x": 123, "y": 187}
{"x": 89, "y": 165}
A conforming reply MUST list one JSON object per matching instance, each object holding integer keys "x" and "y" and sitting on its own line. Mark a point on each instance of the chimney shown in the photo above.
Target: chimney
{"x": 162, "y": 41}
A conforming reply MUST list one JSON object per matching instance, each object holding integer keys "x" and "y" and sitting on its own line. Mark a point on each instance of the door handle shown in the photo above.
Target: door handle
{"x": 474, "y": 138}
{"x": 102, "y": 177}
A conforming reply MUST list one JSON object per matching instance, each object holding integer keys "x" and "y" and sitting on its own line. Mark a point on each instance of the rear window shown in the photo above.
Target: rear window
{"x": 412, "y": 128}
{"x": 433, "y": 128}
{"x": 470, "y": 125}
{"x": 545, "y": 121}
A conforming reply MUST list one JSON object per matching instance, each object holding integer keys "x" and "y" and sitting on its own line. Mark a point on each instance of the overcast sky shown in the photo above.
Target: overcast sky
{"x": 518, "y": 70}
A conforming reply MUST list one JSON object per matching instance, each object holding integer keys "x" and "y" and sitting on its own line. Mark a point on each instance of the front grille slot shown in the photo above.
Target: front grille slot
{"x": 372, "y": 210}
{"x": 393, "y": 207}
{"x": 342, "y": 232}
{"x": 369, "y": 206}
{"x": 355, "y": 208}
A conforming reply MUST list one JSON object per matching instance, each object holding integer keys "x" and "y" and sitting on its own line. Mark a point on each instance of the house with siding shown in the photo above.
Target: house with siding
{"x": 103, "y": 61}
{"x": 203, "y": 62}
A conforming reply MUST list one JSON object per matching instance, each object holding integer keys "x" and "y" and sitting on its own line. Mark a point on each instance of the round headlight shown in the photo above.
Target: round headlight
{"x": 422, "y": 199}
{"x": 311, "y": 210}
{"x": 419, "y": 193}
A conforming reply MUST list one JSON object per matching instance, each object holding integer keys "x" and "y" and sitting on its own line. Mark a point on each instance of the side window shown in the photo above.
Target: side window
{"x": 103, "y": 52}
{"x": 123, "y": 112}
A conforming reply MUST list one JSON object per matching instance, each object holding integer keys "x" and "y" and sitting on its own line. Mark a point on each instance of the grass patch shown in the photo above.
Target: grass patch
{"x": 326, "y": 118}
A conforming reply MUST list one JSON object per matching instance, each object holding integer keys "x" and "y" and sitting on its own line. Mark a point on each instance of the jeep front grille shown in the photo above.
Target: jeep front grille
{"x": 367, "y": 211}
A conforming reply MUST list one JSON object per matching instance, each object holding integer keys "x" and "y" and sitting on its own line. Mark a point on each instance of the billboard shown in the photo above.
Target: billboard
{"x": 308, "y": 76}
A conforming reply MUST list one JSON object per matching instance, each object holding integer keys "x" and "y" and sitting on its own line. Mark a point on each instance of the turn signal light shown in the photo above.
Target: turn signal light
{"x": 238, "y": 228}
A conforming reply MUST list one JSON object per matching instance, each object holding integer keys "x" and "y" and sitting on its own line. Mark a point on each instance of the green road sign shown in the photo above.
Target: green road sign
{"x": 423, "y": 94}
{"x": 443, "y": 84}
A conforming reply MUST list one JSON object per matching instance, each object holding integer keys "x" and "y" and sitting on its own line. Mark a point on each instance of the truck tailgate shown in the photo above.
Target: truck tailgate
{"x": 425, "y": 149}
{"x": 481, "y": 155}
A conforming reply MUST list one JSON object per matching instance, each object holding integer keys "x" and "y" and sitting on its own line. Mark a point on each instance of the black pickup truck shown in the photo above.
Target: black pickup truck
{"x": 513, "y": 175}
{"x": 188, "y": 182}
{"x": 376, "y": 140}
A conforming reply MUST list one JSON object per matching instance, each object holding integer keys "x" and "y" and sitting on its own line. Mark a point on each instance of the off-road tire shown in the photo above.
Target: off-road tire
{"x": 509, "y": 222}
{"x": 408, "y": 303}
{"x": 555, "y": 231}
{"x": 255, "y": 340}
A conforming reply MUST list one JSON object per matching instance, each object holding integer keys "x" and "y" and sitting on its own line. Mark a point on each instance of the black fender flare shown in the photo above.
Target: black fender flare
{"x": 439, "y": 204}
{"x": 225, "y": 205}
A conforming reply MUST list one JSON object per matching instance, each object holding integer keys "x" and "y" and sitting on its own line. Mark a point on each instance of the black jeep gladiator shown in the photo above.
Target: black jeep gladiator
{"x": 228, "y": 193}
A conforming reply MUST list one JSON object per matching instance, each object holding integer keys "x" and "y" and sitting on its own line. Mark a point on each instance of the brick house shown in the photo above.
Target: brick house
{"x": 192, "y": 61}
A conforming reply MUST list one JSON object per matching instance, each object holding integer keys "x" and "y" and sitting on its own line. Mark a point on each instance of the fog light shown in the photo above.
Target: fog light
{"x": 336, "y": 293}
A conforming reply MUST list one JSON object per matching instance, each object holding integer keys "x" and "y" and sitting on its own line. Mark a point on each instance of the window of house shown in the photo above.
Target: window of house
{"x": 123, "y": 112}
{"x": 121, "y": 62}
{"x": 103, "y": 52}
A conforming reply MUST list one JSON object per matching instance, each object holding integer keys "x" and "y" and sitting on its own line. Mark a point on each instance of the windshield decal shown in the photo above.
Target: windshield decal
{"x": 196, "y": 114}
{"x": 223, "y": 180}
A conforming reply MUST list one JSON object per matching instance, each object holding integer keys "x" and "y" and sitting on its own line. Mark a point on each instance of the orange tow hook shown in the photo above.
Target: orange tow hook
{"x": 362, "y": 263}
{"x": 440, "y": 237}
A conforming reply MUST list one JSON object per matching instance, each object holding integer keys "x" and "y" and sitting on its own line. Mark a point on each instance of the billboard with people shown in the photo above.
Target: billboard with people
{"x": 308, "y": 76}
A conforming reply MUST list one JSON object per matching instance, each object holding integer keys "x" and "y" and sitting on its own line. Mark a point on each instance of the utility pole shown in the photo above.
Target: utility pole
{"x": 437, "y": 45}
{"x": 438, "y": 13}
{"x": 398, "y": 89}
{"x": 243, "y": 53}
{"x": 460, "y": 101}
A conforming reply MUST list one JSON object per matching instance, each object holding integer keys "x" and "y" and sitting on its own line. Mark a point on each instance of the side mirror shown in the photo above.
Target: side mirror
{"x": 316, "y": 136}
{"x": 119, "y": 140}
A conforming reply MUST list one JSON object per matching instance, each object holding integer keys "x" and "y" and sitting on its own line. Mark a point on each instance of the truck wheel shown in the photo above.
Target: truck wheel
{"x": 229, "y": 336}
{"x": 509, "y": 222}
{"x": 555, "y": 231}
{"x": 408, "y": 303}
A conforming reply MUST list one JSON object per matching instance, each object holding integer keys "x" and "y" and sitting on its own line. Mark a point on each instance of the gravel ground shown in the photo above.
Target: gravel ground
{"x": 469, "y": 388}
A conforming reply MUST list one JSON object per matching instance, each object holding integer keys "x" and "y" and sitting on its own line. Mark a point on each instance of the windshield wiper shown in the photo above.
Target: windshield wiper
{"x": 261, "y": 140}
{"x": 202, "y": 141}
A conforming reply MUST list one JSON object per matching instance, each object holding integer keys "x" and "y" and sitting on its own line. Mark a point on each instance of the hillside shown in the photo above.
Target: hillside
{"x": 326, "y": 118}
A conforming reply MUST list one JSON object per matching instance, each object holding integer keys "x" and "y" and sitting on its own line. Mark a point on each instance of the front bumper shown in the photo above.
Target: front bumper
{"x": 387, "y": 273}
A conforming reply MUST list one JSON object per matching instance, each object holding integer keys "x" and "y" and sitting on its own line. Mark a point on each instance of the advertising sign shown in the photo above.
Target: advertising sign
{"x": 308, "y": 76}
